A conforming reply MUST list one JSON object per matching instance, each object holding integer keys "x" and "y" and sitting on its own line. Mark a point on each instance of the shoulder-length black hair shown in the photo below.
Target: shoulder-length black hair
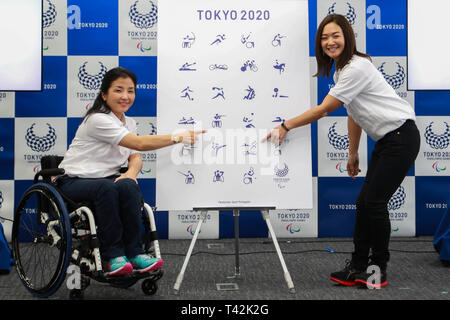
{"x": 324, "y": 62}
{"x": 100, "y": 105}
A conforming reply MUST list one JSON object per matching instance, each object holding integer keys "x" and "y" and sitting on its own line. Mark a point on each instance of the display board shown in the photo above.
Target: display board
{"x": 236, "y": 69}
{"x": 426, "y": 20}
{"x": 21, "y": 38}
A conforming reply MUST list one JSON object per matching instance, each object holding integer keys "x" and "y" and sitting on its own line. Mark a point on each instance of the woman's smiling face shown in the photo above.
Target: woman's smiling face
{"x": 120, "y": 96}
{"x": 332, "y": 41}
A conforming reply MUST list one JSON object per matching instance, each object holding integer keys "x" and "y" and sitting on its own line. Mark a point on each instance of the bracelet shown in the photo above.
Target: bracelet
{"x": 284, "y": 126}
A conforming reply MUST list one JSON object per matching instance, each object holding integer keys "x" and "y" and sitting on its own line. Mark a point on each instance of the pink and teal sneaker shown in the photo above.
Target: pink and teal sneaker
{"x": 118, "y": 267}
{"x": 144, "y": 263}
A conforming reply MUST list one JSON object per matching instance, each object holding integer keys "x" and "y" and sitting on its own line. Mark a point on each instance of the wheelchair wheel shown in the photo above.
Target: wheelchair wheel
{"x": 149, "y": 287}
{"x": 41, "y": 240}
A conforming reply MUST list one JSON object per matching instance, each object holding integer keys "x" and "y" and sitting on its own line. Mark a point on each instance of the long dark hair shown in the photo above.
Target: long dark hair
{"x": 324, "y": 62}
{"x": 99, "y": 105}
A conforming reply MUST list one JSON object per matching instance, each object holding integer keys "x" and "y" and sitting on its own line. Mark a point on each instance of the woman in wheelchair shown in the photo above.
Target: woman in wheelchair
{"x": 104, "y": 142}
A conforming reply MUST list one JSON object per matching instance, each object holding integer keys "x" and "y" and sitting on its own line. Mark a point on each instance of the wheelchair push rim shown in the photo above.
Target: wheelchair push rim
{"x": 41, "y": 240}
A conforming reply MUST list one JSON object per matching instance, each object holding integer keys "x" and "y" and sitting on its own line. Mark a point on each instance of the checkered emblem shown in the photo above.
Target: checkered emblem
{"x": 398, "y": 199}
{"x": 437, "y": 141}
{"x": 350, "y": 15}
{"x": 281, "y": 172}
{"x": 141, "y": 20}
{"x": 337, "y": 141}
{"x": 153, "y": 130}
{"x": 49, "y": 16}
{"x": 395, "y": 80}
{"x": 40, "y": 144}
{"x": 91, "y": 82}
{"x": 1, "y": 199}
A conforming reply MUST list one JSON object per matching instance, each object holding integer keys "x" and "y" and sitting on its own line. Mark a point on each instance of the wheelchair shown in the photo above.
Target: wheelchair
{"x": 51, "y": 233}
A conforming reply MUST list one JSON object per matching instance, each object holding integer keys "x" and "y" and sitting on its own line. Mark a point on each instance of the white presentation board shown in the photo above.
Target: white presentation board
{"x": 236, "y": 69}
{"x": 427, "y": 68}
{"x": 21, "y": 51}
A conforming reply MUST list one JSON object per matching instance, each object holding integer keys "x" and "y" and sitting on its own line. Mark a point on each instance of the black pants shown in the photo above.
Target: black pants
{"x": 391, "y": 159}
{"x": 117, "y": 212}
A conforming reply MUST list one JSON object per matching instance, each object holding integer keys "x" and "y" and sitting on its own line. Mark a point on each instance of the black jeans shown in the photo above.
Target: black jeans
{"x": 117, "y": 210}
{"x": 391, "y": 159}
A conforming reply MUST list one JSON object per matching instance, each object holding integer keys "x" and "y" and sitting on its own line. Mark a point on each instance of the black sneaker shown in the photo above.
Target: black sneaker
{"x": 370, "y": 280}
{"x": 346, "y": 276}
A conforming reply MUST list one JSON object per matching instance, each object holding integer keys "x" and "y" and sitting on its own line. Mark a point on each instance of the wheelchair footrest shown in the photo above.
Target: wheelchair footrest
{"x": 132, "y": 277}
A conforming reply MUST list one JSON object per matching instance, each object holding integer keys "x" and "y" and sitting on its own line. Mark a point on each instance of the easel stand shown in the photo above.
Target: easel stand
{"x": 265, "y": 215}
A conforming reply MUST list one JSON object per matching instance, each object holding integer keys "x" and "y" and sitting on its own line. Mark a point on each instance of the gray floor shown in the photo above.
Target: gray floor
{"x": 415, "y": 273}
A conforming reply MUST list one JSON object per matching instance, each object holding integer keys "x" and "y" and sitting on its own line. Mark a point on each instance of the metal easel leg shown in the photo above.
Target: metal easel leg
{"x": 177, "y": 285}
{"x": 287, "y": 276}
{"x": 236, "y": 241}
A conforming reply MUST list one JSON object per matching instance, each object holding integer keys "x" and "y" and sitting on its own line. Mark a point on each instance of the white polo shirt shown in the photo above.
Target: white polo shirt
{"x": 95, "y": 150}
{"x": 369, "y": 99}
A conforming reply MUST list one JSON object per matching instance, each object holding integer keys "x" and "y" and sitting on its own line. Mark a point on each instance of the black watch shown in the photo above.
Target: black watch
{"x": 284, "y": 126}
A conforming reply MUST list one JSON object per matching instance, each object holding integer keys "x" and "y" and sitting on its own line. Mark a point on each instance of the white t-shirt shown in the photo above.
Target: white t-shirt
{"x": 95, "y": 150}
{"x": 369, "y": 99}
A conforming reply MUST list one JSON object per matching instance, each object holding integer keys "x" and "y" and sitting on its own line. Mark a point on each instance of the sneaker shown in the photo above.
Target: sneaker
{"x": 118, "y": 267}
{"x": 369, "y": 279}
{"x": 346, "y": 276}
{"x": 144, "y": 263}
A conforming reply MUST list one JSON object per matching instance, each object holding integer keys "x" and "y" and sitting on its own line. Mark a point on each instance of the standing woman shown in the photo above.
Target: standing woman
{"x": 373, "y": 106}
{"x": 105, "y": 141}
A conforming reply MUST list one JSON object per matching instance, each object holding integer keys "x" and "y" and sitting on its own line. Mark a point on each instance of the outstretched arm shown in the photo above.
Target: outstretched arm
{"x": 153, "y": 142}
{"x": 328, "y": 105}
